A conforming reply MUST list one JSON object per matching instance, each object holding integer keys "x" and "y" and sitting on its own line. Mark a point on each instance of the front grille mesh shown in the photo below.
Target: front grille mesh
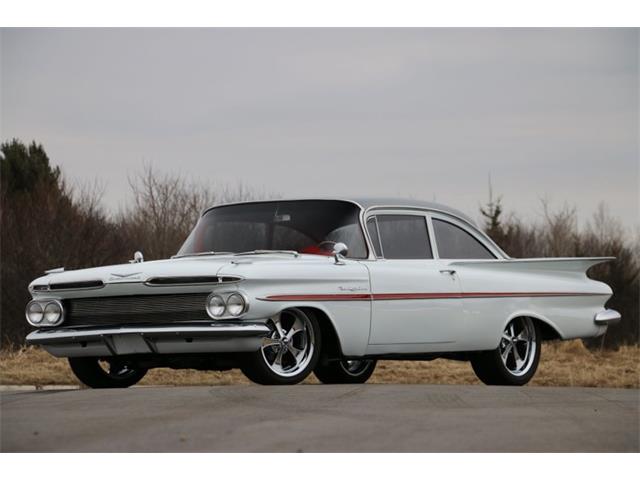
{"x": 136, "y": 309}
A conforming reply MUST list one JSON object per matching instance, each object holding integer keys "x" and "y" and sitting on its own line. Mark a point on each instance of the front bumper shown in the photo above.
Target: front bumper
{"x": 160, "y": 339}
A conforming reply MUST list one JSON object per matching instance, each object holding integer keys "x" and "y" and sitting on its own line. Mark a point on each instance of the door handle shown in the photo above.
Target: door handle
{"x": 450, "y": 272}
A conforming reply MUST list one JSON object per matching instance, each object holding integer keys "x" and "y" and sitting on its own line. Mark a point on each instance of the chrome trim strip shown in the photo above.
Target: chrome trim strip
{"x": 607, "y": 317}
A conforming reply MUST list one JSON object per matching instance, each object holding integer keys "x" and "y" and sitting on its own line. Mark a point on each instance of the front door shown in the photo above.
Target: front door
{"x": 416, "y": 304}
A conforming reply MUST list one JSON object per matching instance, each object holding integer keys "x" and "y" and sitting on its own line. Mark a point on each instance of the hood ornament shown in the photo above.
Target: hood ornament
{"x": 137, "y": 257}
{"x": 125, "y": 275}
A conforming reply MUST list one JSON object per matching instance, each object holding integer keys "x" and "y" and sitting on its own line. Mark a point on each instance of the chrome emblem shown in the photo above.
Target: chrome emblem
{"x": 125, "y": 276}
{"x": 352, "y": 289}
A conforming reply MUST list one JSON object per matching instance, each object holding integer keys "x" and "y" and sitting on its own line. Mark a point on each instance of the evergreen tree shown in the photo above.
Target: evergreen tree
{"x": 25, "y": 167}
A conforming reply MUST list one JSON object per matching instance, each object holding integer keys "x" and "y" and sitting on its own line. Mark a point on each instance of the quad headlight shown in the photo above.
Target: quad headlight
{"x": 224, "y": 305}
{"x": 236, "y": 304}
{"x": 44, "y": 313}
{"x": 216, "y": 306}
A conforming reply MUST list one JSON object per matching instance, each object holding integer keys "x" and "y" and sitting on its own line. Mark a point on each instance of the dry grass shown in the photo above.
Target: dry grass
{"x": 563, "y": 364}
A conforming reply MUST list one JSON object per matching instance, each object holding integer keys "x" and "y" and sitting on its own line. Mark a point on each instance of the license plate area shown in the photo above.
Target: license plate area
{"x": 129, "y": 344}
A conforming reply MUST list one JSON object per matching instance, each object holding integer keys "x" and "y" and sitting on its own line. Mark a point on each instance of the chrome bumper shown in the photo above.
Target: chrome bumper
{"x": 607, "y": 317}
{"x": 104, "y": 342}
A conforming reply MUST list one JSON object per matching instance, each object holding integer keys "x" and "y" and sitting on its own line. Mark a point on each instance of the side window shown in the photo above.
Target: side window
{"x": 372, "y": 228}
{"x": 454, "y": 242}
{"x": 404, "y": 237}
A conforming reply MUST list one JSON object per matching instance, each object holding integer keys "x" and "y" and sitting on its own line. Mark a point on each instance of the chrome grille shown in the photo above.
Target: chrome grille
{"x": 136, "y": 309}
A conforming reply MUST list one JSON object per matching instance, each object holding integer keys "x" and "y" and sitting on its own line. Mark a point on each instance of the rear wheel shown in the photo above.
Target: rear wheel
{"x": 516, "y": 359}
{"x": 110, "y": 373}
{"x": 289, "y": 354}
{"x": 345, "y": 371}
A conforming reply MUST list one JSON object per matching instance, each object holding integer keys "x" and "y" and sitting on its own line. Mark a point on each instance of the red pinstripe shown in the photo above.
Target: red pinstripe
{"x": 332, "y": 297}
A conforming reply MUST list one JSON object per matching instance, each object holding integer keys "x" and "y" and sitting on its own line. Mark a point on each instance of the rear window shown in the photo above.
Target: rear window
{"x": 454, "y": 242}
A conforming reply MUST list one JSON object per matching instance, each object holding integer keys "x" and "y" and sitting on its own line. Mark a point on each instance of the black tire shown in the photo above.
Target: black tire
{"x": 119, "y": 375}
{"x": 261, "y": 366}
{"x": 492, "y": 370}
{"x": 343, "y": 372}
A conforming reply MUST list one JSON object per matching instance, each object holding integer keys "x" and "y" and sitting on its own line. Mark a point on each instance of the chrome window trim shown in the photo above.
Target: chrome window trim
{"x": 432, "y": 237}
{"x": 373, "y": 247}
{"x": 398, "y": 211}
{"x": 482, "y": 238}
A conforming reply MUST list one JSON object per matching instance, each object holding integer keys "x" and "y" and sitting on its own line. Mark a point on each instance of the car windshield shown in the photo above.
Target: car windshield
{"x": 306, "y": 226}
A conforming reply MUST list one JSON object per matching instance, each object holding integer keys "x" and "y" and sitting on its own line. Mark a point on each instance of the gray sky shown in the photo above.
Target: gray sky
{"x": 426, "y": 113}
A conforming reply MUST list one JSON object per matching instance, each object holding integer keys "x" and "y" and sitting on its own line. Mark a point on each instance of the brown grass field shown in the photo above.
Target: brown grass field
{"x": 562, "y": 364}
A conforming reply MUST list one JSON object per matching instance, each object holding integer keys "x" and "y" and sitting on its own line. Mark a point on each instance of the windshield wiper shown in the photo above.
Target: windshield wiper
{"x": 263, "y": 252}
{"x": 201, "y": 254}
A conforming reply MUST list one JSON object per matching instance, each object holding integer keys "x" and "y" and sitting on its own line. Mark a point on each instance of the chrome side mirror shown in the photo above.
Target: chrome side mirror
{"x": 137, "y": 257}
{"x": 339, "y": 251}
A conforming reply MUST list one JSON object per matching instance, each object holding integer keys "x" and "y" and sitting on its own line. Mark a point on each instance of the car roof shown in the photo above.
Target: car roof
{"x": 373, "y": 202}
{"x": 393, "y": 202}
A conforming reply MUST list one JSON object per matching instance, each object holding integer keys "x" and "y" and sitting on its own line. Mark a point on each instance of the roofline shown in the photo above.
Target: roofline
{"x": 384, "y": 203}
{"x": 246, "y": 202}
{"x": 431, "y": 207}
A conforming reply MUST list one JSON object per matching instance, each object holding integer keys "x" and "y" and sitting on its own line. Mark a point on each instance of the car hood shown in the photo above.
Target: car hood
{"x": 177, "y": 267}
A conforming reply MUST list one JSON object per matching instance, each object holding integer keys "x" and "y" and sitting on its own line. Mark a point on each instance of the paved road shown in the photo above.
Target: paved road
{"x": 377, "y": 418}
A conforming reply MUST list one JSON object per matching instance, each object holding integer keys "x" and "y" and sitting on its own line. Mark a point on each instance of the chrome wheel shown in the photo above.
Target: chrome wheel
{"x": 289, "y": 348}
{"x": 355, "y": 367}
{"x": 518, "y": 346}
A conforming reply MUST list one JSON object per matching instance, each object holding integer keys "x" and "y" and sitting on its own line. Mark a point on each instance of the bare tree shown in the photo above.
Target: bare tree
{"x": 558, "y": 235}
{"x": 165, "y": 208}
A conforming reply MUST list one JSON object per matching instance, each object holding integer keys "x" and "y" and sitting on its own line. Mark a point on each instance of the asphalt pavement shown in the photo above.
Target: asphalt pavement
{"x": 321, "y": 418}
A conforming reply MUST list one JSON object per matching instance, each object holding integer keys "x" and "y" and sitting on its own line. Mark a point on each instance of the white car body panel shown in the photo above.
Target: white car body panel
{"x": 378, "y": 306}
{"x": 399, "y": 321}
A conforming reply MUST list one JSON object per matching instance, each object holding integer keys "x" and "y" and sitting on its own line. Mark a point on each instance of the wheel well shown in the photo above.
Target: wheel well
{"x": 548, "y": 332}
{"x": 330, "y": 341}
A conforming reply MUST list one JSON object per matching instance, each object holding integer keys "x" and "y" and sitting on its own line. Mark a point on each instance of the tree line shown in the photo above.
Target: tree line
{"x": 46, "y": 223}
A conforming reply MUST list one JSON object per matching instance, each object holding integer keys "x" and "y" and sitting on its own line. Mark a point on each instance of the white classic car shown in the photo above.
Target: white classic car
{"x": 284, "y": 288}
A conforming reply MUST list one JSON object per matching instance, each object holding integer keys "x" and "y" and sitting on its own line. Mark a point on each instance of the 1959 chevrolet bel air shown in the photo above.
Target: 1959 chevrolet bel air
{"x": 283, "y": 288}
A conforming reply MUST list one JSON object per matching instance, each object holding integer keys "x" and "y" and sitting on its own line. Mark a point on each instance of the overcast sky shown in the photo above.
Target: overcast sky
{"x": 425, "y": 113}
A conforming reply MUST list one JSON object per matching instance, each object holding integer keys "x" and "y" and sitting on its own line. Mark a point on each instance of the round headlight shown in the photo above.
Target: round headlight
{"x": 236, "y": 304}
{"x": 34, "y": 313}
{"x": 215, "y": 306}
{"x": 52, "y": 313}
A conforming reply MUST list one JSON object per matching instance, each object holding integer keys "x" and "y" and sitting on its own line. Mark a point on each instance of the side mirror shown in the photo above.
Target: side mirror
{"x": 339, "y": 251}
{"x": 137, "y": 258}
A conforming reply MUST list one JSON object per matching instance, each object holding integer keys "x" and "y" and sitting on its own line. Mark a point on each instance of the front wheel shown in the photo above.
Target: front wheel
{"x": 516, "y": 359}
{"x": 345, "y": 371}
{"x": 289, "y": 354}
{"x": 110, "y": 373}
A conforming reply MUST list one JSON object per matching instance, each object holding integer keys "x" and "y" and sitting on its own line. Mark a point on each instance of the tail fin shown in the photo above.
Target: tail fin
{"x": 560, "y": 264}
